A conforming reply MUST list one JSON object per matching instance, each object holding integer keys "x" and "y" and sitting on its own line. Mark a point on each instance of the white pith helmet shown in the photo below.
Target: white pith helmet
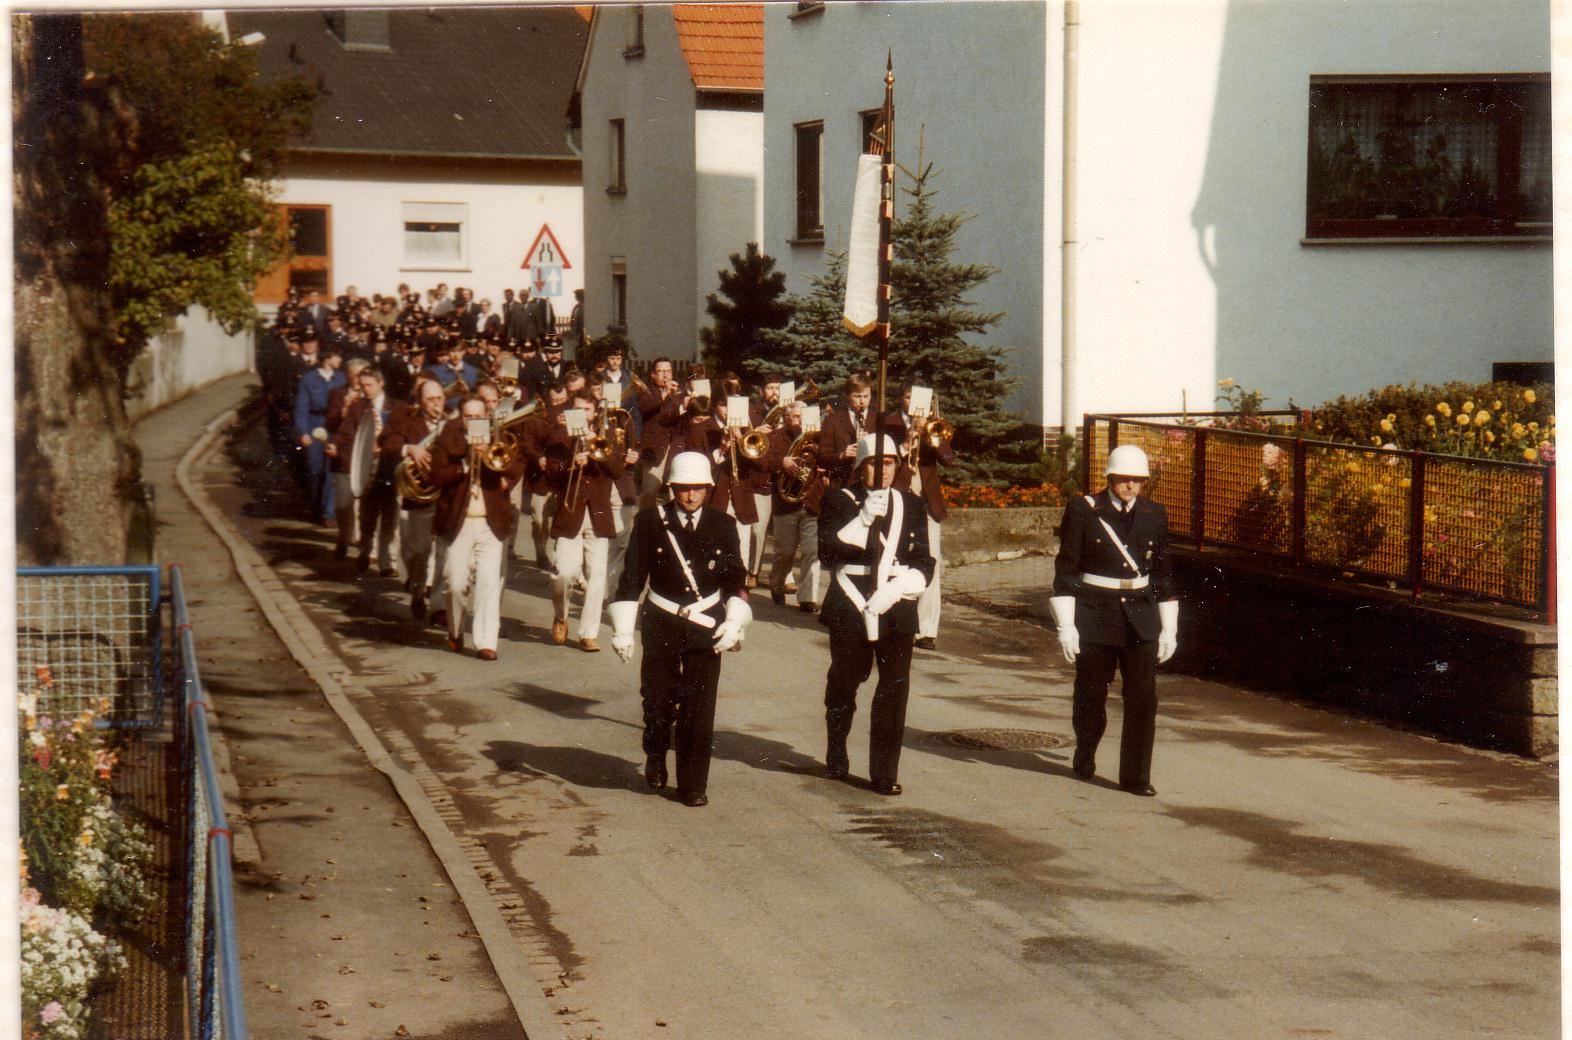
{"x": 1127, "y": 460}
{"x": 866, "y": 449}
{"x": 690, "y": 468}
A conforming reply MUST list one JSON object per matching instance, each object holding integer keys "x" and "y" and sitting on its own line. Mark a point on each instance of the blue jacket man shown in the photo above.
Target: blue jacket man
{"x": 311, "y": 404}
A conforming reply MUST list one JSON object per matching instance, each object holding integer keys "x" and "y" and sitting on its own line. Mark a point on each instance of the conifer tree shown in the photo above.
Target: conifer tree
{"x": 753, "y": 306}
{"x": 816, "y": 345}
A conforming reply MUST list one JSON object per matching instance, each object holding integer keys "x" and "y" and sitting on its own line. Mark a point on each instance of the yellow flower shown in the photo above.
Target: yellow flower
{"x": 1352, "y": 467}
{"x": 1405, "y": 483}
{"x": 1386, "y": 425}
{"x": 1518, "y": 429}
{"x": 1529, "y": 396}
{"x": 1377, "y": 489}
{"x": 1225, "y": 383}
{"x": 1534, "y": 426}
{"x": 1375, "y": 440}
{"x": 1496, "y": 405}
{"x": 62, "y": 792}
{"x": 1530, "y": 455}
{"x": 1444, "y": 408}
{"x": 85, "y": 839}
{"x": 1462, "y": 420}
{"x": 1430, "y": 420}
{"x": 1481, "y": 417}
{"x": 1490, "y": 438}
{"x": 1468, "y": 406}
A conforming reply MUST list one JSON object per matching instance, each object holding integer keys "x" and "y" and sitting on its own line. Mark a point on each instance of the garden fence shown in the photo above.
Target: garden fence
{"x": 1407, "y": 519}
{"x": 98, "y": 629}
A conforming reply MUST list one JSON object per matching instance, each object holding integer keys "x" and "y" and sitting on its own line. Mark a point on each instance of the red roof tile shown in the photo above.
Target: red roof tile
{"x": 723, "y": 43}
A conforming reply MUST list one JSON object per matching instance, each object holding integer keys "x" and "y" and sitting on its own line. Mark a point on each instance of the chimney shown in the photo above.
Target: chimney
{"x": 361, "y": 29}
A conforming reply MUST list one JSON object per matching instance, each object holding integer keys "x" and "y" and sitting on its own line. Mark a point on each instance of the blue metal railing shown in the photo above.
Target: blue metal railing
{"x": 214, "y": 1006}
{"x": 100, "y": 632}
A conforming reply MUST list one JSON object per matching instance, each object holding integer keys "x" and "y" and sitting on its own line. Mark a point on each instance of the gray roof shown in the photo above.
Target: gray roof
{"x": 479, "y": 81}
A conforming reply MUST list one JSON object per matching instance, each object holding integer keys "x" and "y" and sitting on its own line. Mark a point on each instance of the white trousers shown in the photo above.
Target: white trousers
{"x": 928, "y": 603}
{"x": 580, "y": 560}
{"x": 765, "y": 504}
{"x": 797, "y": 537}
{"x": 414, "y": 539}
{"x": 744, "y": 533}
{"x": 474, "y": 582}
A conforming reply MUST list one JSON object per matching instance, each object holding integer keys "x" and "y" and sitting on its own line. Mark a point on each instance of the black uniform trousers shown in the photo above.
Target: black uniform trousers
{"x": 1094, "y": 670}
{"x": 851, "y": 662}
{"x": 679, "y": 686}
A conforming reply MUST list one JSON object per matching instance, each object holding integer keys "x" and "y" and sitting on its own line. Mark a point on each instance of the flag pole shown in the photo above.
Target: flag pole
{"x": 886, "y": 255}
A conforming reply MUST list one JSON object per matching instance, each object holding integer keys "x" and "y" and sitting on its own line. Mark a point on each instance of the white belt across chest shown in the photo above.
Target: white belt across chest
{"x": 1123, "y": 584}
{"x": 693, "y": 612}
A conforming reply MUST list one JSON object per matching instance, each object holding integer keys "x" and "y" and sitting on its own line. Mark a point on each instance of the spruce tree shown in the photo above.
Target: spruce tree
{"x": 753, "y": 305}
{"x": 816, "y": 345}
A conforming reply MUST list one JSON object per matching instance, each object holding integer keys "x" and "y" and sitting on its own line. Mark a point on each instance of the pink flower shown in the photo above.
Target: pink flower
{"x": 52, "y": 1012}
{"x": 1547, "y": 451}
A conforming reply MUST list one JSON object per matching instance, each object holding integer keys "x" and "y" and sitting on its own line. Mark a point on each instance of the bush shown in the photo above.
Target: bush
{"x": 1501, "y": 421}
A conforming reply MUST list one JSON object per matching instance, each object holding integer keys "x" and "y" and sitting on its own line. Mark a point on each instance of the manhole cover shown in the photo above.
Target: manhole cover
{"x": 1002, "y": 739}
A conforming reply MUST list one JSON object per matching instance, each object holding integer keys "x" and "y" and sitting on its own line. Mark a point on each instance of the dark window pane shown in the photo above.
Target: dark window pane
{"x": 308, "y": 232}
{"x": 810, "y": 221}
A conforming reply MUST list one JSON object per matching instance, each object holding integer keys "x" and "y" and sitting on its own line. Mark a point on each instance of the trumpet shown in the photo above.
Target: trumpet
{"x": 938, "y": 432}
{"x": 794, "y": 487}
{"x": 503, "y": 451}
{"x": 413, "y": 481}
{"x": 755, "y": 444}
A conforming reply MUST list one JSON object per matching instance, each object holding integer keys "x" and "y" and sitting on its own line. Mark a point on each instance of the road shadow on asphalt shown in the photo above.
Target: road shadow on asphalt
{"x": 578, "y": 766}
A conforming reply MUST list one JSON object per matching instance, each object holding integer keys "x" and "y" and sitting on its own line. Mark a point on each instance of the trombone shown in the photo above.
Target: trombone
{"x": 503, "y": 451}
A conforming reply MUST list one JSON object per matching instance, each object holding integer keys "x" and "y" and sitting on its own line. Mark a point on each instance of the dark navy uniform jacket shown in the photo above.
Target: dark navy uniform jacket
{"x": 839, "y": 508}
{"x": 1085, "y": 548}
{"x": 714, "y": 555}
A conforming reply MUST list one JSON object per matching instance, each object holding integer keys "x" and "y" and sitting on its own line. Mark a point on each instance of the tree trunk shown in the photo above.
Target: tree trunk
{"x": 76, "y": 465}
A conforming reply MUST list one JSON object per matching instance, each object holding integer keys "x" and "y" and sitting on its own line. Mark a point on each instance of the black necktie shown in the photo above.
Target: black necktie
{"x": 689, "y": 522}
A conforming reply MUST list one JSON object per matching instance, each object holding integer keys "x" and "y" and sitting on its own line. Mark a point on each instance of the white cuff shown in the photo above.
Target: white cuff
{"x": 1063, "y": 610}
{"x": 737, "y": 610}
{"x": 624, "y": 612}
{"x": 1168, "y": 611}
{"x": 855, "y": 533}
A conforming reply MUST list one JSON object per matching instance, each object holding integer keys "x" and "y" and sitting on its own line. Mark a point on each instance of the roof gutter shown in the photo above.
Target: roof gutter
{"x": 1069, "y": 397}
{"x": 394, "y": 154}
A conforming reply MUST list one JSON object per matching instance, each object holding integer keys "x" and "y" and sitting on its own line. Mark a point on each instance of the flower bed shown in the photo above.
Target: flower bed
{"x": 82, "y": 866}
{"x": 978, "y": 496}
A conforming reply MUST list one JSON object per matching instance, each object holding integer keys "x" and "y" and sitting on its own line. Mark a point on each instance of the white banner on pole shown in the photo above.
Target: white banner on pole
{"x": 862, "y": 256}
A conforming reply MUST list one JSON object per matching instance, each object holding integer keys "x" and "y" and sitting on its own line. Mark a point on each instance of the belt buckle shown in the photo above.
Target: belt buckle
{"x": 685, "y": 611}
{"x": 1126, "y": 583}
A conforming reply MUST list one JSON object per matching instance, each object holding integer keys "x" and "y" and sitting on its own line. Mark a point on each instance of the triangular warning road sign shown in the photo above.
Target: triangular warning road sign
{"x": 545, "y": 251}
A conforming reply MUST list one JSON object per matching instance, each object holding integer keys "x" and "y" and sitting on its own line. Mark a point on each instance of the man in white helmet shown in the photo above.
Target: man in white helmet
{"x": 1115, "y": 606}
{"x": 689, "y": 558}
{"x": 873, "y": 541}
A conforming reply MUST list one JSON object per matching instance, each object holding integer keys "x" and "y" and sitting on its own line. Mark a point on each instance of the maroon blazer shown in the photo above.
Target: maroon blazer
{"x": 929, "y": 459}
{"x": 594, "y": 488}
{"x": 706, "y": 438}
{"x": 449, "y": 473}
{"x": 663, "y": 421}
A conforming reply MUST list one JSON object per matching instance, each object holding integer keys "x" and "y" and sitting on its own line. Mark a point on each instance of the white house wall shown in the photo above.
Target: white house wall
{"x": 1192, "y": 167}
{"x": 729, "y": 199}
{"x": 970, "y": 85}
{"x": 506, "y": 205}
{"x": 652, "y": 225}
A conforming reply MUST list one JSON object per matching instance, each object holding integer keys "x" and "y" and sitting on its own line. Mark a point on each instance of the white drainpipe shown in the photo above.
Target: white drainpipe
{"x": 1069, "y": 398}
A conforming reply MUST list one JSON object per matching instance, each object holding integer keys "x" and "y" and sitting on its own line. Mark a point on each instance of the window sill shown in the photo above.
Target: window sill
{"x": 409, "y": 265}
{"x": 633, "y": 52}
{"x": 1431, "y": 240}
{"x": 617, "y": 189}
{"x": 804, "y": 12}
{"x": 621, "y": 330}
{"x": 806, "y": 240}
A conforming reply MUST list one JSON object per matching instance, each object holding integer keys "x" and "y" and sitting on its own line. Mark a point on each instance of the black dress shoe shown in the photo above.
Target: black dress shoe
{"x": 807, "y": 608}
{"x": 362, "y": 564}
{"x": 695, "y": 801}
{"x": 887, "y": 787}
{"x": 655, "y": 771}
{"x": 836, "y": 764}
{"x": 1085, "y": 764}
{"x": 926, "y": 643}
{"x": 389, "y": 572}
{"x": 340, "y": 551}
{"x": 1142, "y": 790}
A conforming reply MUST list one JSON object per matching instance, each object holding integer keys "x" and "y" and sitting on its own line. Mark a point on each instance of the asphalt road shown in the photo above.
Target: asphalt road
{"x": 1301, "y": 874}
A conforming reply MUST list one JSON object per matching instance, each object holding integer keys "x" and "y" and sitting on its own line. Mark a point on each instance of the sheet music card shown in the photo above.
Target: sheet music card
{"x": 922, "y": 402}
{"x": 737, "y": 414}
{"x": 578, "y": 422}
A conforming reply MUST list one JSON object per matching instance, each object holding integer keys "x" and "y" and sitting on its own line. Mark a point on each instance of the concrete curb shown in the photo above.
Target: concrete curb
{"x": 300, "y": 636}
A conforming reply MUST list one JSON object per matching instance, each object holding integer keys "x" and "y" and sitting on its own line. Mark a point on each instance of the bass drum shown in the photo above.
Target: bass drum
{"x": 363, "y": 459}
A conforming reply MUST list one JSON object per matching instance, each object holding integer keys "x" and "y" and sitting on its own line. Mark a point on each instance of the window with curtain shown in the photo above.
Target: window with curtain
{"x": 434, "y": 234}
{"x": 810, "y": 199}
{"x": 1404, "y": 157}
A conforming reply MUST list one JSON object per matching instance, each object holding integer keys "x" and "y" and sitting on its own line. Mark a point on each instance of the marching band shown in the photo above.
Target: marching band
{"x": 651, "y": 501}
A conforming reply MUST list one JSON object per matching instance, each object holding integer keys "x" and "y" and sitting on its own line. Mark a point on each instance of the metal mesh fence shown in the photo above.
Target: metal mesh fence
{"x": 1482, "y": 532}
{"x": 97, "y": 632}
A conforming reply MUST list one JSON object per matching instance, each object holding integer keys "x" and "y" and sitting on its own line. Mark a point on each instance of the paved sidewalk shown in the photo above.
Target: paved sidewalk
{"x": 349, "y": 926}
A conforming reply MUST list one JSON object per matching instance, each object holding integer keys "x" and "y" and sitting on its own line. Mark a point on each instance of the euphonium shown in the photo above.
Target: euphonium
{"x": 503, "y": 451}
{"x": 794, "y": 487}
{"x": 413, "y": 481}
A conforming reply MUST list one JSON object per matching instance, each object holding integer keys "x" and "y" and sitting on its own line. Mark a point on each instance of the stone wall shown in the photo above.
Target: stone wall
{"x": 979, "y": 535}
{"x": 1475, "y": 675}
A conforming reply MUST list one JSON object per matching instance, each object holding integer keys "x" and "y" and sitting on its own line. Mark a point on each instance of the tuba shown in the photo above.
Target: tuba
{"x": 794, "y": 487}
{"x": 412, "y": 481}
{"x": 503, "y": 451}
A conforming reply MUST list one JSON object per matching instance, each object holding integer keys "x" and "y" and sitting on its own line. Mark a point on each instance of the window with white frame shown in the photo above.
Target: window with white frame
{"x": 435, "y": 234}
{"x": 1422, "y": 157}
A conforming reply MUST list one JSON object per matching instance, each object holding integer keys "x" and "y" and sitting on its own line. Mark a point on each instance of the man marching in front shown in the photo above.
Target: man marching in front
{"x": 690, "y": 558}
{"x": 874, "y": 541}
{"x": 1115, "y": 605}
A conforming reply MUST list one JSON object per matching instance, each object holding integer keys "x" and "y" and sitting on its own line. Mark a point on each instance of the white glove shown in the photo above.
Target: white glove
{"x": 1063, "y": 608}
{"x": 904, "y": 583}
{"x": 624, "y": 612}
{"x": 738, "y": 614}
{"x": 1168, "y": 638}
{"x": 877, "y": 504}
{"x": 624, "y": 647}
